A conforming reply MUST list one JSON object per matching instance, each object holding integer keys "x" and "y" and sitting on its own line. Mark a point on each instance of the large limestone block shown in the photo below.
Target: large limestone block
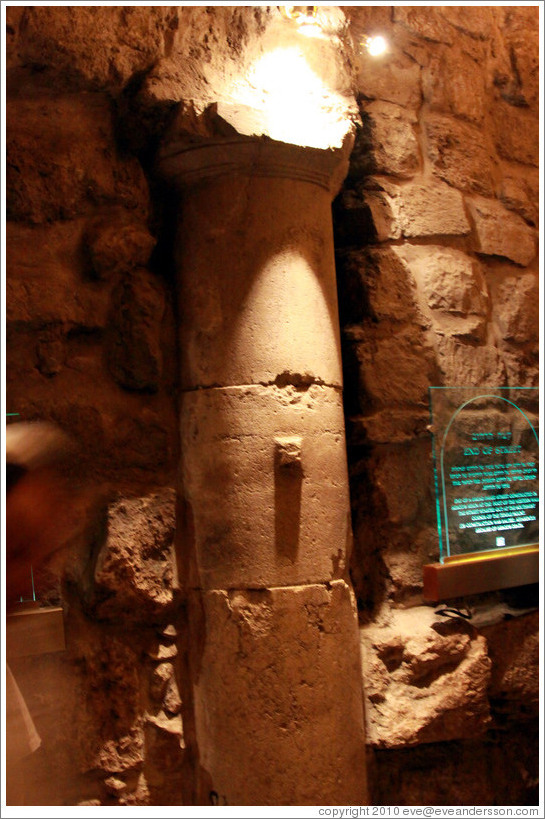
{"x": 264, "y": 481}
{"x": 415, "y": 209}
{"x": 396, "y": 364}
{"x": 394, "y": 78}
{"x": 454, "y": 83}
{"x": 426, "y": 679}
{"x": 499, "y": 232}
{"x": 277, "y": 693}
{"x": 389, "y": 129}
{"x": 431, "y": 210}
{"x": 467, "y": 364}
{"x": 516, "y": 132}
{"x": 452, "y": 287}
{"x": 461, "y": 155}
{"x": 375, "y": 282}
{"x": 451, "y": 280}
{"x": 257, "y": 290}
{"x": 520, "y": 192}
{"x": 517, "y": 308}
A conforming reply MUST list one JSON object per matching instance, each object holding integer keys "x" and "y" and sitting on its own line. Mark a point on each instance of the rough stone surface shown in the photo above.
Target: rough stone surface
{"x": 431, "y": 27}
{"x": 78, "y": 209}
{"x": 404, "y": 567}
{"x": 376, "y": 283}
{"x": 479, "y": 25}
{"x": 117, "y": 245}
{"x": 470, "y": 365}
{"x": 517, "y": 135}
{"x": 249, "y": 59}
{"x": 395, "y": 78}
{"x": 453, "y": 83}
{"x": 71, "y": 164}
{"x": 390, "y": 133}
{"x": 110, "y": 735}
{"x": 257, "y": 640}
{"x": 426, "y": 680}
{"x": 46, "y": 286}
{"x": 517, "y": 308}
{"x": 501, "y": 233}
{"x": 522, "y": 370}
{"x": 475, "y": 171}
{"x": 159, "y": 680}
{"x": 398, "y": 478}
{"x": 452, "y": 286}
{"x": 520, "y": 194}
{"x": 383, "y": 215}
{"x": 390, "y": 425}
{"x": 146, "y": 440}
{"x": 394, "y": 369}
{"x": 89, "y": 47}
{"x": 521, "y": 34}
{"x": 416, "y": 209}
{"x": 134, "y": 568}
{"x": 431, "y": 210}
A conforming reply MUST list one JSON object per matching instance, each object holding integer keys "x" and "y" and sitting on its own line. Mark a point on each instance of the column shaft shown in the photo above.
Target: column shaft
{"x": 274, "y": 655}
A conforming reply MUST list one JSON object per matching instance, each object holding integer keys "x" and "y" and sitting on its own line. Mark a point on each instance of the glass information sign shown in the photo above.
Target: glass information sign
{"x": 486, "y": 454}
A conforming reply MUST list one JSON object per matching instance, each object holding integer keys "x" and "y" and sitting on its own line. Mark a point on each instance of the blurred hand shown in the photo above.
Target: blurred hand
{"x": 44, "y": 506}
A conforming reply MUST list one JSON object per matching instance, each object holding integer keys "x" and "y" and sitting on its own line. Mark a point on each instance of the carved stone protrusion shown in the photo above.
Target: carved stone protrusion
{"x": 288, "y": 453}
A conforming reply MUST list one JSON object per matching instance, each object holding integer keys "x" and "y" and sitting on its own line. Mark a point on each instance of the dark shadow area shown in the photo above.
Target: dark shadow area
{"x": 288, "y": 484}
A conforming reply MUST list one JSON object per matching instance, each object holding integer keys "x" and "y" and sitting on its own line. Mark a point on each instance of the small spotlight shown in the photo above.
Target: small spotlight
{"x": 376, "y": 45}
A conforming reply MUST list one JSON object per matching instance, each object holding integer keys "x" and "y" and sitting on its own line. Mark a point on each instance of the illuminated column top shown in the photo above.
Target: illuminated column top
{"x": 257, "y": 299}
{"x": 186, "y": 160}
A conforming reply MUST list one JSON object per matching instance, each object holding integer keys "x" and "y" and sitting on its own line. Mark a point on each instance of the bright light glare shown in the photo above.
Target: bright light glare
{"x": 285, "y": 71}
{"x": 376, "y": 45}
{"x": 311, "y": 29}
{"x": 298, "y": 107}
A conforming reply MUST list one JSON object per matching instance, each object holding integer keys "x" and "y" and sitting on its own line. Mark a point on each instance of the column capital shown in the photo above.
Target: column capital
{"x": 186, "y": 160}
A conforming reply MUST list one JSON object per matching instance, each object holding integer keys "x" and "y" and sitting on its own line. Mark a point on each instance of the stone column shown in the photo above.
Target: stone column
{"x": 274, "y": 658}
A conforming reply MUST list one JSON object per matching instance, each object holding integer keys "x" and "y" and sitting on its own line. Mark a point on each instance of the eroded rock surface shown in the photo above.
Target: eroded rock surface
{"x": 426, "y": 679}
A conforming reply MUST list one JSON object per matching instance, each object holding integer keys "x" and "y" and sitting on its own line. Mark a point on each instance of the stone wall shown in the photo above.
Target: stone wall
{"x": 91, "y": 346}
{"x": 436, "y": 236}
